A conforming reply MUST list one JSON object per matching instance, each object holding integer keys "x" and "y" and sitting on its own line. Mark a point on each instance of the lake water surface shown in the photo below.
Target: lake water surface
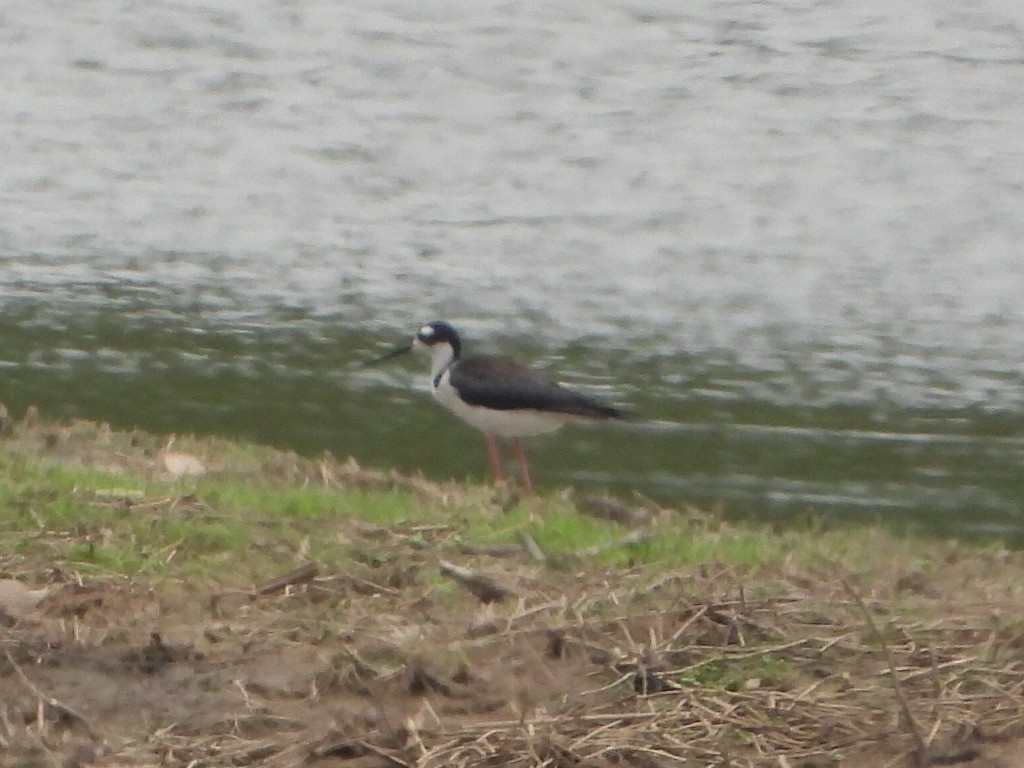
{"x": 788, "y": 236}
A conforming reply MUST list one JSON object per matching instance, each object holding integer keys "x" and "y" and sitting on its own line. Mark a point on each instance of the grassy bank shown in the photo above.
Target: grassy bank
{"x": 132, "y": 503}
{"x": 204, "y": 602}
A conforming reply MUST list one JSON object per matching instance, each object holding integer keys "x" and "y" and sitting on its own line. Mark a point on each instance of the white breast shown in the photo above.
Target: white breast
{"x": 499, "y": 423}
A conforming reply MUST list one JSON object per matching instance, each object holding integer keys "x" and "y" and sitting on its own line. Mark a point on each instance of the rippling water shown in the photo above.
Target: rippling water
{"x": 789, "y": 237}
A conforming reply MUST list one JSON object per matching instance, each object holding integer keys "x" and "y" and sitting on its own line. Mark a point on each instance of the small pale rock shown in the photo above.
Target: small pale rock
{"x": 18, "y": 601}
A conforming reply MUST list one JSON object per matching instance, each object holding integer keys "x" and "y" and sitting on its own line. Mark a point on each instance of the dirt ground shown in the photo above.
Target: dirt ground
{"x": 382, "y": 661}
{"x": 373, "y": 664}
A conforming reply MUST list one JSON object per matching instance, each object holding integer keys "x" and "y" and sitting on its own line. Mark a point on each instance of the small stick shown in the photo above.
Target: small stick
{"x": 920, "y": 748}
{"x": 301, "y": 575}
{"x": 485, "y": 589}
{"x": 49, "y": 701}
{"x": 532, "y": 548}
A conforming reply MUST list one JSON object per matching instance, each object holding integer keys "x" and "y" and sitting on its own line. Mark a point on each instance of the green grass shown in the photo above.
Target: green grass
{"x": 117, "y": 523}
{"x": 259, "y": 515}
{"x": 733, "y": 674}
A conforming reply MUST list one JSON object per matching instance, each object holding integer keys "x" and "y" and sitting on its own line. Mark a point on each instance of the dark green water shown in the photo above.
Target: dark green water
{"x": 703, "y": 431}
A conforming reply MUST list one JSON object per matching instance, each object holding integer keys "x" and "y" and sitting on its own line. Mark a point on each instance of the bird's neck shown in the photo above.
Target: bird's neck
{"x": 441, "y": 356}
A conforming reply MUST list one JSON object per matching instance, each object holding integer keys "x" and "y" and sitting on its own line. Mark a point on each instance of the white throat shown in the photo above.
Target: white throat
{"x": 441, "y": 356}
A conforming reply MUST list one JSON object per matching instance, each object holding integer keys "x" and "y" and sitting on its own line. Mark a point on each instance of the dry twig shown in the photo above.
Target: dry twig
{"x": 484, "y": 588}
{"x": 300, "y": 575}
{"x": 920, "y": 747}
{"x": 48, "y": 701}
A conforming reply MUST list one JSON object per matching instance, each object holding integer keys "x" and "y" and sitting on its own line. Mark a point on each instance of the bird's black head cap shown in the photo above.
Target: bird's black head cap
{"x": 439, "y": 332}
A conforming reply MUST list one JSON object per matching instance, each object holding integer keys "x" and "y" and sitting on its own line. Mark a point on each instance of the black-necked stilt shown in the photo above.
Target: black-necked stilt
{"x": 498, "y": 396}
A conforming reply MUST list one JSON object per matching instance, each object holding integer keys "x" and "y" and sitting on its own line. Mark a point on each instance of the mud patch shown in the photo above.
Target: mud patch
{"x": 599, "y": 669}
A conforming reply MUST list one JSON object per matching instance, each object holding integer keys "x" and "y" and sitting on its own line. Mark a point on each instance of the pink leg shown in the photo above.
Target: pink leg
{"x": 495, "y": 457}
{"x": 524, "y": 472}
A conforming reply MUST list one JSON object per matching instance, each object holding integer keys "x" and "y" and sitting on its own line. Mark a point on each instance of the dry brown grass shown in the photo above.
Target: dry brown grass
{"x": 384, "y": 665}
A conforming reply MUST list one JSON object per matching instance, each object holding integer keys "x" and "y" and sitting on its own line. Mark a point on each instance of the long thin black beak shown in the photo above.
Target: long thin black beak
{"x": 392, "y": 354}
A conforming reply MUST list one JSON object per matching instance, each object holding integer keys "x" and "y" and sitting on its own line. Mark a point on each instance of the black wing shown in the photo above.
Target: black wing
{"x": 504, "y": 385}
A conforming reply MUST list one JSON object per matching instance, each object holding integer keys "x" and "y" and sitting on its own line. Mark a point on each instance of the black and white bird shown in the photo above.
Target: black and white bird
{"x": 498, "y": 396}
